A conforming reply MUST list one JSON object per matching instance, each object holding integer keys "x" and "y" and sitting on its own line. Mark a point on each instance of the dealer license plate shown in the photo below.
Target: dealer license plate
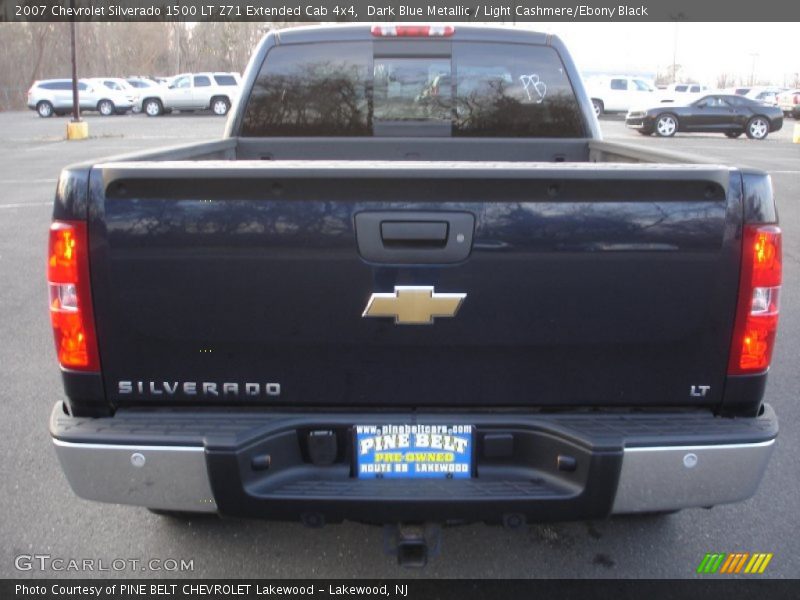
{"x": 413, "y": 451}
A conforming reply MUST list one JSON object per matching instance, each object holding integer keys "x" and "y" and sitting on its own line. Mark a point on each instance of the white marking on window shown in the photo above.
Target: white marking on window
{"x": 534, "y": 87}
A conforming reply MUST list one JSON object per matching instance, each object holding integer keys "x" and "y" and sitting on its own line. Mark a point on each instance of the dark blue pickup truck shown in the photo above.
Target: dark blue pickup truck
{"x": 413, "y": 285}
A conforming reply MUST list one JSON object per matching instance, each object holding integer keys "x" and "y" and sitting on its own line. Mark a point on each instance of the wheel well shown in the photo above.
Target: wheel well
{"x": 148, "y": 98}
{"x": 44, "y": 102}
{"x": 599, "y": 101}
{"x": 220, "y": 97}
{"x": 99, "y": 102}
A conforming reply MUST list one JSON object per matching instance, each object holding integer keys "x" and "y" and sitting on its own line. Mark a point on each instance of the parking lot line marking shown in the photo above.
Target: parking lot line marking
{"x": 25, "y": 204}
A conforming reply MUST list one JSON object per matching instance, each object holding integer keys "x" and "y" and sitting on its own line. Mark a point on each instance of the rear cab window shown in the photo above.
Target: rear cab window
{"x": 458, "y": 89}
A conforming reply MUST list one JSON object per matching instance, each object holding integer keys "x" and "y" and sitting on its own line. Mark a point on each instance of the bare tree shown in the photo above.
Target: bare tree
{"x": 725, "y": 80}
{"x": 39, "y": 38}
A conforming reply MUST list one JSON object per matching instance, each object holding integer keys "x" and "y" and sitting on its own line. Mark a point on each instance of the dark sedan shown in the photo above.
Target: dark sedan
{"x": 717, "y": 113}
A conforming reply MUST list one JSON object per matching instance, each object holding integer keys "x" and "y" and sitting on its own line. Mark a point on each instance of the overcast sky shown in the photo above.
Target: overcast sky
{"x": 704, "y": 49}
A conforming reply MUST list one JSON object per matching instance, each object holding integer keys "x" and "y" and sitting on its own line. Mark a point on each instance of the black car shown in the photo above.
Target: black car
{"x": 724, "y": 113}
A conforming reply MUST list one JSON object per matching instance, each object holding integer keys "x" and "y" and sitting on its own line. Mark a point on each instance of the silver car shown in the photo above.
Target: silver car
{"x": 54, "y": 96}
{"x": 118, "y": 84}
{"x": 193, "y": 91}
{"x": 142, "y": 85}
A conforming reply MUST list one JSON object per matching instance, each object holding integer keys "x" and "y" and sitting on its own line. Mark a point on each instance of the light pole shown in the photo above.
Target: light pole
{"x": 675, "y": 55}
{"x": 76, "y": 129}
{"x": 754, "y": 56}
{"x": 76, "y": 107}
{"x": 675, "y": 18}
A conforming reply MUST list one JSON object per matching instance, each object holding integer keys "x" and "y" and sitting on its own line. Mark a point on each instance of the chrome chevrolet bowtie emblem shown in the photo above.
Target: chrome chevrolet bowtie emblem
{"x": 413, "y": 305}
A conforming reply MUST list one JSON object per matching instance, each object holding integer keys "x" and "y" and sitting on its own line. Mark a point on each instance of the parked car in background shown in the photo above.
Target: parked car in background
{"x": 618, "y": 93}
{"x": 113, "y": 83}
{"x": 142, "y": 81}
{"x": 766, "y": 94}
{"x": 788, "y": 102}
{"x": 54, "y": 96}
{"x": 117, "y": 84}
{"x": 681, "y": 93}
{"x": 142, "y": 85}
{"x": 723, "y": 113}
{"x": 193, "y": 91}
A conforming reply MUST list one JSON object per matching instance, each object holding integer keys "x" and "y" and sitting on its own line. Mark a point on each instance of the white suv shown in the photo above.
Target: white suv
{"x": 54, "y": 96}
{"x": 618, "y": 93}
{"x": 193, "y": 91}
{"x": 682, "y": 93}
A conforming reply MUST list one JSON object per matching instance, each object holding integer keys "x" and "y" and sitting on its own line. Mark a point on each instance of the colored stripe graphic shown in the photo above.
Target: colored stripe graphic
{"x": 728, "y": 564}
{"x": 741, "y": 562}
{"x": 758, "y": 563}
{"x": 711, "y": 563}
{"x": 703, "y": 564}
{"x": 735, "y": 562}
{"x": 723, "y": 563}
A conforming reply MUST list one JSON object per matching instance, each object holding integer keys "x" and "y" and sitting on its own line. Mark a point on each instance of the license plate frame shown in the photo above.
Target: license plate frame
{"x": 413, "y": 451}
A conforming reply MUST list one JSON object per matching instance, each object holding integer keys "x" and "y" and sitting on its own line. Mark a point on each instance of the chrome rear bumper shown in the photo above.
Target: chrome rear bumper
{"x": 669, "y": 478}
{"x": 625, "y": 464}
{"x": 161, "y": 477}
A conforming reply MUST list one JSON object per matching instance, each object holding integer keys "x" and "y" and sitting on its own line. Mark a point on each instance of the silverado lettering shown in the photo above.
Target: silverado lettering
{"x": 191, "y": 388}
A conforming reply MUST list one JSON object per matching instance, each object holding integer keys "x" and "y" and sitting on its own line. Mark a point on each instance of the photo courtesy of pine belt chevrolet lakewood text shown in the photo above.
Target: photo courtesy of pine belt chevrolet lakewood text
{"x": 412, "y": 285}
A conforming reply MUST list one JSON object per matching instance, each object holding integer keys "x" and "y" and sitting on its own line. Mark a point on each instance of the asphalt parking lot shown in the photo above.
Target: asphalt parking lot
{"x": 42, "y": 516}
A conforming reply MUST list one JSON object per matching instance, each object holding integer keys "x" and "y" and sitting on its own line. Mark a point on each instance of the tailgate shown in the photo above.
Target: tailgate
{"x": 556, "y": 285}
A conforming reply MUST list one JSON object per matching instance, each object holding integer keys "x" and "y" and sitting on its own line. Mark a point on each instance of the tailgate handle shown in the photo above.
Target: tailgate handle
{"x": 420, "y": 234}
{"x": 414, "y": 237}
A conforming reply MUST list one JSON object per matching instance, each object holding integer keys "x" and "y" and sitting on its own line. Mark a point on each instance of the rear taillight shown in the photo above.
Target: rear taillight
{"x": 413, "y": 30}
{"x": 796, "y": 99}
{"x": 757, "y": 310}
{"x": 70, "y": 296}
